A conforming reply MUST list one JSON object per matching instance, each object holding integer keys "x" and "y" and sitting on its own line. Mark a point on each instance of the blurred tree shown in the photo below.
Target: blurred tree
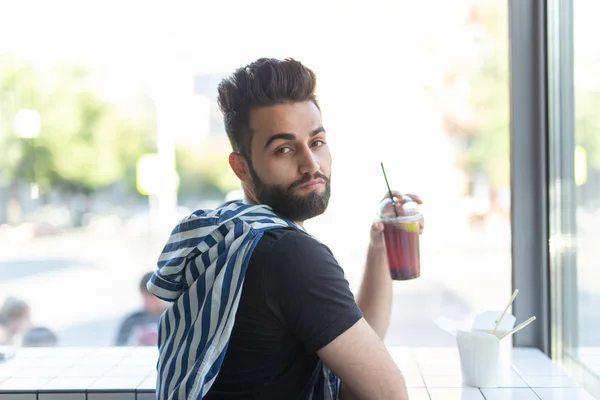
{"x": 91, "y": 141}
{"x": 86, "y": 142}
{"x": 489, "y": 148}
{"x": 485, "y": 133}
{"x": 488, "y": 145}
{"x": 19, "y": 89}
{"x": 474, "y": 95}
{"x": 204, "y": 170}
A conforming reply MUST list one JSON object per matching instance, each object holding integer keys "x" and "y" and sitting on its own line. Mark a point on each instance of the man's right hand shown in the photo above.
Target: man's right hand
{"x": 367, "y": 371}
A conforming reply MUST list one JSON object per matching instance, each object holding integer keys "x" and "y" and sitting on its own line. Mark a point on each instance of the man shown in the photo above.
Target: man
{"x": 39, "y": 336}
{"x": 15, "y": 318}
{"x": 261, "y": 310}
{"x": 141, "y": 327}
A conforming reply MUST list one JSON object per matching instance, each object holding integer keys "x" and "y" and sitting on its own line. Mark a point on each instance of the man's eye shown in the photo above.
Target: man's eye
{"x": 318, "y": 143}
{"x": 283, "y": 150}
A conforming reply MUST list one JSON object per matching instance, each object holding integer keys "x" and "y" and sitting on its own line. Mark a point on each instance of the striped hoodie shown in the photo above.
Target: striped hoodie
{"x": 201, "y": 271}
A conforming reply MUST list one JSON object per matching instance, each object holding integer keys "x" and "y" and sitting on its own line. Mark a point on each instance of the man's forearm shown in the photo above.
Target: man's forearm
{"x": 346, "y": 394}
{"x": 375, "y": 295}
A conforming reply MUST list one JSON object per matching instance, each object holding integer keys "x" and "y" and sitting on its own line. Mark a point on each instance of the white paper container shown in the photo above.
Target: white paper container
{"x": 485, "y": 360}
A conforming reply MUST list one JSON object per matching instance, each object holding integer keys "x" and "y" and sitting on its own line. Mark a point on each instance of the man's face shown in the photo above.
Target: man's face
{"x": 291, "y": 163}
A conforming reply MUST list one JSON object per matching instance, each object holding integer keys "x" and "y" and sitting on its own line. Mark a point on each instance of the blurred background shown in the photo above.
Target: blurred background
{"x": 110, "y": 133}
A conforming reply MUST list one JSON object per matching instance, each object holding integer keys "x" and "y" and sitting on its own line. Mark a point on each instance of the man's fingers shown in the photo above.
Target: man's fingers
{"x": 377, "y": 227}
{"x": 399, "y": 196}
{"x": 395, "y": 193}
{"x": 415, "y": 198}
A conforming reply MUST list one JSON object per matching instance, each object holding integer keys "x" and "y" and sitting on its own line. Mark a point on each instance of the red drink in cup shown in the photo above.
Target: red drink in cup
{"x": 401, "y": 234}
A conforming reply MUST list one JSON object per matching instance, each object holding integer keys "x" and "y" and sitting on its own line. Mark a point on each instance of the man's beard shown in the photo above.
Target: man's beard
{"x": 288, "y": 205}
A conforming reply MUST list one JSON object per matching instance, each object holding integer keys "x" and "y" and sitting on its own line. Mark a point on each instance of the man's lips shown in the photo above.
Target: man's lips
{"x": 312, "y": 184}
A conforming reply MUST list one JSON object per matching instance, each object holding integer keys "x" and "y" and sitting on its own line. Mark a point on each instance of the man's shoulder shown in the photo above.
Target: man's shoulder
{"x": 286, "y": 239}
{"x": 293, "y": 254}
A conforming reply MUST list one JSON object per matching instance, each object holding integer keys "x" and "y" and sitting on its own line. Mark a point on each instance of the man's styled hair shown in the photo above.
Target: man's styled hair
{"x": 262, "y": 83}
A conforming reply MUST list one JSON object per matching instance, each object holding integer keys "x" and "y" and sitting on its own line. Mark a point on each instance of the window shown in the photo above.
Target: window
{"x": 421, "y": 86}
{"x": 574, "y": 159}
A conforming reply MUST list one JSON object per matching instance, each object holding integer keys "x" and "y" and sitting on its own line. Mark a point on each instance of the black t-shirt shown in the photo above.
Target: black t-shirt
{"x": 295, "y": 300}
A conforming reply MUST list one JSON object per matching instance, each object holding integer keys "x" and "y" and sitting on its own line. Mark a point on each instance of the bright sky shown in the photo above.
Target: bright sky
{"x": 133, "y": 30}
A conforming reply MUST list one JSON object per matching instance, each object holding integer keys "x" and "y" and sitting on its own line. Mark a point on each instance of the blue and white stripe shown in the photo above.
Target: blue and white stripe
{"x": 201, "y": 271}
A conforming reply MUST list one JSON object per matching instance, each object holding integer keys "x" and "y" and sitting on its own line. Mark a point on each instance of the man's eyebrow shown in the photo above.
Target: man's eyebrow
{"x": 277, "y": 136}
{"x": 317, "y": 131}
{"x": 290, "y": 136}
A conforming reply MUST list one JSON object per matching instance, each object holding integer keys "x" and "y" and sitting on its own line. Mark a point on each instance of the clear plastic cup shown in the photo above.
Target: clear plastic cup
{"x": 401, "y": 235}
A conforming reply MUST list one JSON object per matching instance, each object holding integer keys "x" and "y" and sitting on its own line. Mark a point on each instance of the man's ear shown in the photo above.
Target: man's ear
{"x": 239, "y": 166}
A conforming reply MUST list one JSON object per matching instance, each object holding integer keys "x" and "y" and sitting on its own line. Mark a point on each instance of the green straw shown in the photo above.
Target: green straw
{"x": 389, "y": 190}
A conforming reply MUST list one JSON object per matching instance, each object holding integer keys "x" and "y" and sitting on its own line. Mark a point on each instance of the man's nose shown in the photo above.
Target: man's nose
{"x": 308, "y": 163}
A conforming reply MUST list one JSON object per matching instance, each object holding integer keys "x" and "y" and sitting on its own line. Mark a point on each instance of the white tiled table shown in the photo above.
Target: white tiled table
{"x": 121, "y": 373}
{"x": 113, "y": 373}
{"x": 434, "y": 374}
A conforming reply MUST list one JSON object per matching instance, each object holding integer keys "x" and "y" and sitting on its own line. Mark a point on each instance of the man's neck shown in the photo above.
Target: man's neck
{"x": 249, "y": 200}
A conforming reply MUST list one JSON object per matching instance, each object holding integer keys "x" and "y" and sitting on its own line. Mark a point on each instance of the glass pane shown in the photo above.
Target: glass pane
{"x": 419, "y": 85}
{"x": 587, "y": 179}
{"x": 575, "y": 188}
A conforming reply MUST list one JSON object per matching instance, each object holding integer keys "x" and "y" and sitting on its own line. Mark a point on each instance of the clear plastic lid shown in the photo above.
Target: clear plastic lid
{"x": 408, "y": 210}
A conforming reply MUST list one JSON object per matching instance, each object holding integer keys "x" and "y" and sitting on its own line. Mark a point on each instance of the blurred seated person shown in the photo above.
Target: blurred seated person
{"x": 141, "y": 327}
{"x": 39, "y": 336}
{"x": 15, "y": 318}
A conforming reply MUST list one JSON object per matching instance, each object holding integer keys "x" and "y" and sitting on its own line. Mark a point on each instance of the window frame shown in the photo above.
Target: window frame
{"x": 529, "y": 170}
{"x": 543, "y": 223}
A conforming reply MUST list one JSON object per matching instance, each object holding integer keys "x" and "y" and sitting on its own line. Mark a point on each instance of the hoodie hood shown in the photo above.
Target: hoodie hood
{"x": 201, "y": 271}
{"x": 201, "y": 238}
